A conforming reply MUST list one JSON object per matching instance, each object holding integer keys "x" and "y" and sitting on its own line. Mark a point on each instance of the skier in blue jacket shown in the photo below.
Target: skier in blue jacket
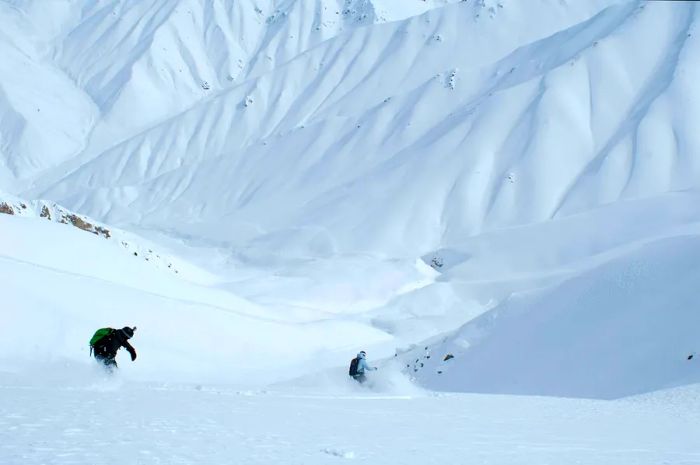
{"x": 359, "y": 366}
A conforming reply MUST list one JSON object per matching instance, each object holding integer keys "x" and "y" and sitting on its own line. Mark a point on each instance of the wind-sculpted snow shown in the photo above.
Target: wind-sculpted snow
{"x": 622, "y": 328}
{"x": 583, "y": 313}
{"x": 512, "y": 129}
{"x": 146, "y": 61}
{"x": 44, "y": 119}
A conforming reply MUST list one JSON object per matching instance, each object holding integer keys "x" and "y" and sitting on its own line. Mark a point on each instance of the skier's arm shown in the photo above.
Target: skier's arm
{"x": 131, "y": 350}
{"x": 362, "y": 366}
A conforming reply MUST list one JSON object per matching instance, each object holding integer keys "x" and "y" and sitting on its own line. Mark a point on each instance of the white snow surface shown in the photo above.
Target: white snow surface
{"x": 496, "y": 199}
{"x": 97, "y": 421}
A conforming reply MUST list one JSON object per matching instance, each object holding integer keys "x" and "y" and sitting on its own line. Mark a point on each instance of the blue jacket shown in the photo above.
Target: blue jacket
{"x": 362, "y": 365}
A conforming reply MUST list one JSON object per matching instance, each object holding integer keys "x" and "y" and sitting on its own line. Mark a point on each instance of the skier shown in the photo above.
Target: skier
{"x": 107, "y": 341}
{"x": 358, "y": 367}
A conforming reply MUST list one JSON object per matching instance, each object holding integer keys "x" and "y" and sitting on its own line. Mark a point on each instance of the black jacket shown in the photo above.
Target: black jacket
{"x": 108, "y": 346}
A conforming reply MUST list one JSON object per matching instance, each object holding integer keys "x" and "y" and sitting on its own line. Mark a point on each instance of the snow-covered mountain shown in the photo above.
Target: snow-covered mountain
{"x": 467, "y": 118}
{"x": 309, "y": 160}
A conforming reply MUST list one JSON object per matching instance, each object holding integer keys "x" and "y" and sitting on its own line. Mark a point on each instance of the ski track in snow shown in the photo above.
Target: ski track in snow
{"x": 114, "y": 422}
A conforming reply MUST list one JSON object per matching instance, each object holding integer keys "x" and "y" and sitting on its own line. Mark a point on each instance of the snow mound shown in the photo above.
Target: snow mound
{"x": 621, "y": 328}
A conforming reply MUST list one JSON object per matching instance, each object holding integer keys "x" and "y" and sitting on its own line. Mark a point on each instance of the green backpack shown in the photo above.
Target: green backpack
{"x": 98, "y": 336}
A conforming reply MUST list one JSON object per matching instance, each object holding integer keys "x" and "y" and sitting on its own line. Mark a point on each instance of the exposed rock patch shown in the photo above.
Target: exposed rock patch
{"x": 7, "y": 209}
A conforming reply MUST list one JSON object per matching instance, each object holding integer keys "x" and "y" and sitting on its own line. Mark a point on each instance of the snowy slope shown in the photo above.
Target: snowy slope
{"x": 560, "y": 307}
{"x": 623, "y": 327}
{"x": 61, "y": 284}
{"x": 169, "y": 406}
{"x": 541, "y": 113}
{"x": 98, "y": 423}
{"x": 122, "y": 67}
{"x": 303, "y": 156}
{"x": 44, "y": 118}
{"x": 521, "y": 130}
{"x": 130, "y": 244}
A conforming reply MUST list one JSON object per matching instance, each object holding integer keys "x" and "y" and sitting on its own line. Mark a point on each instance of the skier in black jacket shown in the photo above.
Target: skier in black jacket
{"x": 107, "y": 347}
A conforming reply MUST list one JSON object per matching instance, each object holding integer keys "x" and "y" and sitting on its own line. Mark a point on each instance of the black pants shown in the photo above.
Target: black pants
{"x": 361, "y": 378}
{"x": 107, "y": 361}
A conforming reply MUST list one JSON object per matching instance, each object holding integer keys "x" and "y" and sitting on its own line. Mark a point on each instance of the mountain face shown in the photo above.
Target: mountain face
{"x": 320, "y": 156}
{"x": 102, "y": 72}
{"x": 243, "y": 122}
